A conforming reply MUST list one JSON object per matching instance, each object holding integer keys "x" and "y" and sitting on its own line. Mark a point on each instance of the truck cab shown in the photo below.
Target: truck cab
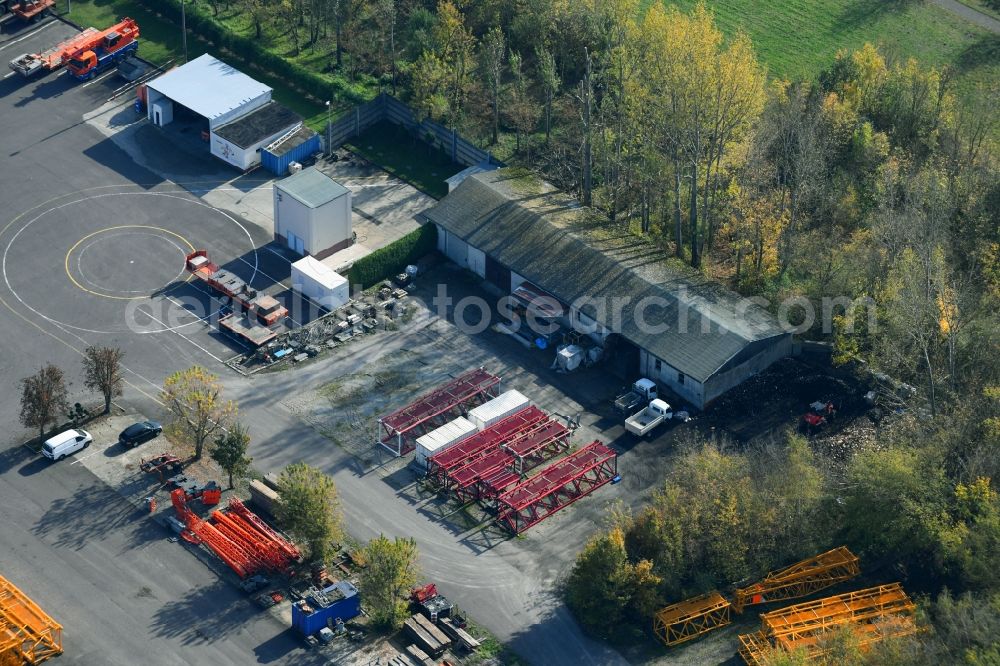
{"x": 81, "y": 63}
{"x": 641, "y": 392}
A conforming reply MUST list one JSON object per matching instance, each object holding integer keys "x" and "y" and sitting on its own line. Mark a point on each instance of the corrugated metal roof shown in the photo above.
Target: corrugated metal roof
{"x": 208, "y": 86}
{"x": 547, "y": 237}
{"x": 311, "y": 187}
{"x": 320, "y": 272}
{"x": 448, "y": 434}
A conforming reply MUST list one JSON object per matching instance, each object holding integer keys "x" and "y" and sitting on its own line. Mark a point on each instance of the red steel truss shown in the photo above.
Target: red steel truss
{"x": 465, "y": 481}
{"x": 238, "y": 537}
{"x": 538, "y": 445}
{"x": 397, "y": 430}
{"x": 491, "y": 487}
{"x": 557, "y": 486}
{"x": 443, "y": 464}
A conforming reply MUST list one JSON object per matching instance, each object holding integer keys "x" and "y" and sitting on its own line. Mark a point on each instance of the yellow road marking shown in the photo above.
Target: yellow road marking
{"x": 101, "y": 231}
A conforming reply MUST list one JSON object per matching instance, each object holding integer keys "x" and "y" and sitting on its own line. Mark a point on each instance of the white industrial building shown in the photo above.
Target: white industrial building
{"x": 312, "y": 213}
{"x": 234, "y": 112}
{"x": 671, "y": 323}
{"x": 320, "y": 283}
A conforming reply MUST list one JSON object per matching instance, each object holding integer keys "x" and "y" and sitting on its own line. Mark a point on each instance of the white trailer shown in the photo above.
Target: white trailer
{"x": 319, "y": 282}
{"x": 441, "y": 439}
{"x": 497, "y": 409}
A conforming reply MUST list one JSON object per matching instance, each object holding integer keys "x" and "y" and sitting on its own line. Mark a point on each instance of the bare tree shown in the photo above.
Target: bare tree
{"x": 43, "y": 396}
{"x": 548, "y": 76}
{"x": 102, "y": 371}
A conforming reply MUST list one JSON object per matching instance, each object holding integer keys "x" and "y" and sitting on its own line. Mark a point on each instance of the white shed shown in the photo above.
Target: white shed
{"x": 312, "y": 213}
{"x": 322, "y": 284}
{"x": 442, "y": 439}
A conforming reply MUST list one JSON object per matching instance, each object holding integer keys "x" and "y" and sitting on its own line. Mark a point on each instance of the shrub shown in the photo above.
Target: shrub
{"x": 393, "y": 258}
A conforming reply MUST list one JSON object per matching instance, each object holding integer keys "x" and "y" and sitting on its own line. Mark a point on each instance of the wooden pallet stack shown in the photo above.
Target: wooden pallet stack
{"x": 428, "y": 637}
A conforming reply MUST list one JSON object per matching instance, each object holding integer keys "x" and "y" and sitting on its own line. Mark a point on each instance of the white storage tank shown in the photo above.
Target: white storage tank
{"x": 441, "y": 439}
{"x": 321, "y": 283}
{"x": 497, "y": 409}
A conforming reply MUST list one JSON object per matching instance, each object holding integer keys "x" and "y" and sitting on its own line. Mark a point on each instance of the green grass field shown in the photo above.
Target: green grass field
{"x": 799, "y": 38}
{"x": 401, "y": 154}
{"x": 160, "y": 42}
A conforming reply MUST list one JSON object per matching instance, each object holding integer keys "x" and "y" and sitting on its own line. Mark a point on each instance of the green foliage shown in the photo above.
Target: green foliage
{"x": 230, "y": 452}
{"x": 604, "y": 585}
{"x": 764, "y": 510}
{"x": 389, "y": 573}
{"x": 309, "y": 510}
{"x": 43, "y": 398}
{"x": 393, "y": 258}
{"x": 193, "y": 397}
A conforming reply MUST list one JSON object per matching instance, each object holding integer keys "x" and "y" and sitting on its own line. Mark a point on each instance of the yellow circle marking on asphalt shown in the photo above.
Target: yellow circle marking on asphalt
{"x": 101, "y": 231}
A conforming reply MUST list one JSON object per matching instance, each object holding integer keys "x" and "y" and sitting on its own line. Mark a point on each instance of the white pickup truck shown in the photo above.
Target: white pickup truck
{"x": 642, "y": 423}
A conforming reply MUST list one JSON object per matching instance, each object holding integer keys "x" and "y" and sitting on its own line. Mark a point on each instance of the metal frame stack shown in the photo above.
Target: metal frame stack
{"x": 27, "y": 634}
{"x": 442, "y": 465}
{"x": 239, "y": 537}
{"x": 689, "y": 619}
{"x": 873, "y": 614}
{"x": 800, "y": 579}
{"x": 397, "y": 431}
{"x": 557, "y": 486}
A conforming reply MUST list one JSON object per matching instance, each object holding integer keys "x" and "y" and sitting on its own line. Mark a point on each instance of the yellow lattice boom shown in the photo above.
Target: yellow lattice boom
{"x": 27, "y": 633}
{"x": 800, "y": 579}
{"x": 691, "y": 618}
{"x": 873, "y": 614}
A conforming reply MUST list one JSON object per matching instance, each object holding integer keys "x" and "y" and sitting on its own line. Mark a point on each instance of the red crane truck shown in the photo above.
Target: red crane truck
{"x": 28, "y": 11}
{"x": 107, "y": 50}
{"x": 75, "y": 49}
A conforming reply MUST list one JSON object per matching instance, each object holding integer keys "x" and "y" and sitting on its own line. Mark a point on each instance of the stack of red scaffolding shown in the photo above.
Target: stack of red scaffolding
{"x": 484, "y": 465}
{"x": 557, "y": 486}
{"x": 239, "y": 537}
{"x": 398, "y": 430}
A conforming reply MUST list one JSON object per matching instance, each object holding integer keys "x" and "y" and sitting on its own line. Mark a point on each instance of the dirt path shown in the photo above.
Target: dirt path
{"x": 967, "y": 12}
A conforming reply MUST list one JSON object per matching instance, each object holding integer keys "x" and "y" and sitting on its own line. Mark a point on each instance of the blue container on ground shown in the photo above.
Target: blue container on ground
{"x": 339, "y": 600}
{"x": 296, "y": 149}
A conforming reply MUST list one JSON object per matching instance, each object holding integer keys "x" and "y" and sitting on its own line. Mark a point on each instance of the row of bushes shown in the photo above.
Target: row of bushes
{"x": 393, "y": 258}
{"x": 251, "y": 51}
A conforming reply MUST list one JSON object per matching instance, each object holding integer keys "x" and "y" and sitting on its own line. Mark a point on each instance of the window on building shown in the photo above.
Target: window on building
{"x": 658, "y": 365}
{"x": 680, "y": 377}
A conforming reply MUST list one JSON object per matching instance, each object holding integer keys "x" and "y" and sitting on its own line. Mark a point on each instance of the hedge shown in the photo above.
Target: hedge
{"x": 393, "y": 258}
{"x": 250, "y": 50}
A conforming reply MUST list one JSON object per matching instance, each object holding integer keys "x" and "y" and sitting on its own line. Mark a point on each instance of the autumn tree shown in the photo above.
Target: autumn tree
{"x": 390, "y": 571}
{"x": 102, "y": 372}
{"x": 229, "y": 451}
{"x": 492, "y": 56}
{"x": 43, "y": 398}
{"x": 309, "y": 509}
{"x": 194, "y": 399}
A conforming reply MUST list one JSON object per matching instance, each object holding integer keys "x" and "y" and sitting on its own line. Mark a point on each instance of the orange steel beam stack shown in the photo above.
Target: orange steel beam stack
{"x": 689, "y": 619}
{"x": 800, "y": 580}
{"x": 872, "y": 614}
{"x": 26, "y": 631}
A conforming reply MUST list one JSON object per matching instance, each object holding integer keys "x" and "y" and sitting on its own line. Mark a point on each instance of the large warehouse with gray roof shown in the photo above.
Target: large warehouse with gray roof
{"x": 670, "y": 323}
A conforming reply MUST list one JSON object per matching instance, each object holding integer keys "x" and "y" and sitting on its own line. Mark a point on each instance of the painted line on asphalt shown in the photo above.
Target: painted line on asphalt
{"x": 80, "y": 459}
{"x": 30, "y": 34}
{"x": 99, "y": 79}
{"x": 186, "y": 338}
{"x": 9, "y": 74}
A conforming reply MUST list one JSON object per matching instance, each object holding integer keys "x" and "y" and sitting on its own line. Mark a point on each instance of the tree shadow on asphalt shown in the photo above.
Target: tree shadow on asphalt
{"x": 205, "y": 615}
{"x": 89, "y": 513}
{"x": 15, "y": 455}
{"x": 278, "y": 647}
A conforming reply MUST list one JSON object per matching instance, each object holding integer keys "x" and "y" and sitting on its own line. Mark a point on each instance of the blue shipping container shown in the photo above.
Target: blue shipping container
{"x": 346, "y": 607}
{"x": 278, "y": 163}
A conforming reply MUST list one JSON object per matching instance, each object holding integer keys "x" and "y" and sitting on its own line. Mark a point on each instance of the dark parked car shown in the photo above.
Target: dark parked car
{"x": 140, "y": 432}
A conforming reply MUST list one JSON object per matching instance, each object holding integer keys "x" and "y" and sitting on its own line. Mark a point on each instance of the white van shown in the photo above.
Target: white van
{"x": 65, "y": 443}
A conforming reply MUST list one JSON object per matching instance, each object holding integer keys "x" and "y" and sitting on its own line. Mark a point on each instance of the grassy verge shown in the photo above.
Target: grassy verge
{"x": 407, "y": 157}
{"x": 160, "y": 41}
